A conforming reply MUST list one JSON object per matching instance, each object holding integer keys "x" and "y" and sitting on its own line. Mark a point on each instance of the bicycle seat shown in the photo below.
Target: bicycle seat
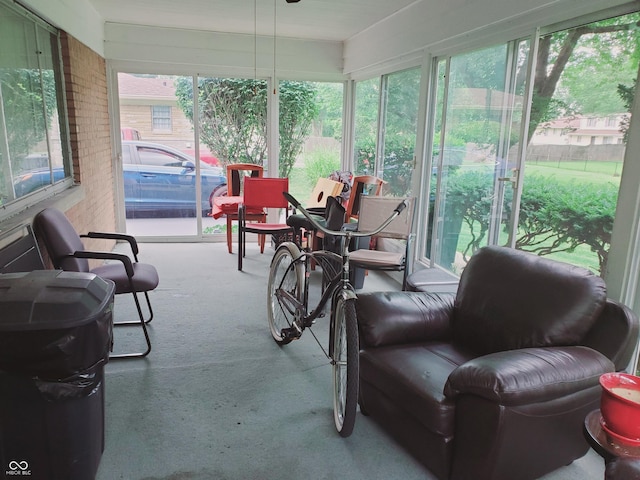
{"x": 299, "y": 221}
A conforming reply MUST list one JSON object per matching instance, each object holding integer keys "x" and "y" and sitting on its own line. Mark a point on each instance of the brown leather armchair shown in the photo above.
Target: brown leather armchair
{"x": 493, "y": 382}
{"x": 623, "y": 469}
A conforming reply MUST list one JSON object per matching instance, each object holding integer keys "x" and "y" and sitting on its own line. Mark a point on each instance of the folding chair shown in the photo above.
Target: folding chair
{"x": 66, "y": 251}
{"x": 373, "y": 211}
{"x": 261, "y": 193}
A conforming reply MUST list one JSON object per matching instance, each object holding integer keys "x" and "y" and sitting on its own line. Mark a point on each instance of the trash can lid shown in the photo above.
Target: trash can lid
{"x": 51, "y": 299}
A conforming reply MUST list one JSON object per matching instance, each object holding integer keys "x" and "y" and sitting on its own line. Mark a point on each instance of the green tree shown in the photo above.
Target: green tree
{"x": 24, "y": 94}
{"x": 329, "y": 120}
{"x": 626, "y": 93}
{"x": 366, "y": 123}
{"x": 233, "y": 117}
{"x": 298, "y": 109}
{"x": 570, "y": 64}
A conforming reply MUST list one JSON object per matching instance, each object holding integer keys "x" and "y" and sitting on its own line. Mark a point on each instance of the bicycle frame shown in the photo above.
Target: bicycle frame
{"x": 304, "y": 318}
{"x": 339, "y": 284}
{"x": 288, "y": 304}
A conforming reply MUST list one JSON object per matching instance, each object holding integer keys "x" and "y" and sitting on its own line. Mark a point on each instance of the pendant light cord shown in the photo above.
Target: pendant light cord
{"x": 255, "y": 40}
{"x": 275, "y": 3}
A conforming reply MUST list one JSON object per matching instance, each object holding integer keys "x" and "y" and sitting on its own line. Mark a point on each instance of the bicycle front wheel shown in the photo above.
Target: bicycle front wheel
{"x": 345, "y": 365}
{"x": 284, "y": 290}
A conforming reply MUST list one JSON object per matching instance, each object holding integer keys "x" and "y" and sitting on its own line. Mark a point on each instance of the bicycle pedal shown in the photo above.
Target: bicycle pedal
{"x": 291, "y": 333}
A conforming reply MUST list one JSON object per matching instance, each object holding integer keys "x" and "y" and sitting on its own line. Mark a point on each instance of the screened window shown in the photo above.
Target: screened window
{"x": 33, "y": 133}
{"x": 161, "y": 117}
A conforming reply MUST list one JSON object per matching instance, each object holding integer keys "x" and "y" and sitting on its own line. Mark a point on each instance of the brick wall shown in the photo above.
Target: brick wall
{"x": 86, "y": 91}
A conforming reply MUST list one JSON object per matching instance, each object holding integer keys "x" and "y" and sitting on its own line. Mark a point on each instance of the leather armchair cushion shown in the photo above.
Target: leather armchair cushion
{"x": 413, "y": 376}
{"x": 391, "y": 318}
{"x": 529, "y": 375}
{"x": 509, "y": 299}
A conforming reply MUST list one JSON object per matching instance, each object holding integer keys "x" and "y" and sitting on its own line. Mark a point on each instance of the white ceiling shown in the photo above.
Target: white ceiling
{"x": 335, "y": 20}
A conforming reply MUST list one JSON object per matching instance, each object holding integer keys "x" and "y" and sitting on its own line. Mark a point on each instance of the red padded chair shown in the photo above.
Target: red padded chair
{"x": 261, "y": 193}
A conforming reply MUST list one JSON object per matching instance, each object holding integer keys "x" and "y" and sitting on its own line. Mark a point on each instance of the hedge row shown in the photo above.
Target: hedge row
{"x": 554, "y": 216}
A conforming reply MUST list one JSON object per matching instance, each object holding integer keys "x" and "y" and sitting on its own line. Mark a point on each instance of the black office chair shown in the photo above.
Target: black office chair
{"x": 66, "y": 251}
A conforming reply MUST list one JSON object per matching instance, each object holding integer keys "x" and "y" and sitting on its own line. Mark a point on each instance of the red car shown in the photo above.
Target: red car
{"x": 205, "y": 155}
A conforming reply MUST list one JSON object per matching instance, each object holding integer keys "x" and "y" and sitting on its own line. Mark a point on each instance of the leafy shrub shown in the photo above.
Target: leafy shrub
{"x": 319, "y": 163}
{"x": 554, "y": 216}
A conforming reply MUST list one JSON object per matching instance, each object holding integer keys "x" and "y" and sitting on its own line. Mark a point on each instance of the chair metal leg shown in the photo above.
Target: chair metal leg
{"x": 136, "y": 322}
{"x": 143, "y": 324}
{"x": 240, "y": 249}
{"x": 241, "y": 236}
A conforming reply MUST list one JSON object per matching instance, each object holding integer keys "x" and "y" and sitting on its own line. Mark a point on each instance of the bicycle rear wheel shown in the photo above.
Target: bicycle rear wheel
{"x": 345, "y": 365}
{"x": 286, "y": 278}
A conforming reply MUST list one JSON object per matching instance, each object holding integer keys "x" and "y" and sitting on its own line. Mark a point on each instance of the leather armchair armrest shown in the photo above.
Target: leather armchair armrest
{"x": 517, "y": 377}
{"x": 116, "y": 236}
{"x": 126, "y": 261}
{"x": 389, "y": 318}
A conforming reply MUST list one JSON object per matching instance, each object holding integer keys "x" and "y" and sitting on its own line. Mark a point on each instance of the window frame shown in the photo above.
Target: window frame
{"x": 55, "y": 59}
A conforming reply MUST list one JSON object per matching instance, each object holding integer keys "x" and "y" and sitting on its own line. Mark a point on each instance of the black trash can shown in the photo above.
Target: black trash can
{"x": 56, "y": 331}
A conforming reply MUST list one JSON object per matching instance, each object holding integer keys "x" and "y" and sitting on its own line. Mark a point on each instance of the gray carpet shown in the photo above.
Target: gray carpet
{"x": 218, "y": 399}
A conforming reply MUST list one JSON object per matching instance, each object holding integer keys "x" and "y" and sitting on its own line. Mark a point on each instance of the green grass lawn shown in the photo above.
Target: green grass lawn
{"x": 582, "y": 256}
{"x": 593, "y": 172}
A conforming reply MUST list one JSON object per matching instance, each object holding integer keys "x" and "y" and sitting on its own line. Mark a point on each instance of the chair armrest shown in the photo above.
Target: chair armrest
{"x": 528, "y": 375}
{"x": 388, "y": 318}
{"x": 116, "y": 236}
{"x": 126, "y": 261}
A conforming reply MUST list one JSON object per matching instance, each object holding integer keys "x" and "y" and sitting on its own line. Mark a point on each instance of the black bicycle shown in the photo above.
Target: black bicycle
{"x": 288, "y": 298}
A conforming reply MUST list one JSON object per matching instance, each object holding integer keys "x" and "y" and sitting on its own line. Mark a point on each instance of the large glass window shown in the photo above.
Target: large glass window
{"x": 170, "y": 176}
{"x": 400, "y": 122}
{"x": 552, "y": 189}
{"x": 386, "y": 121}
{"x": 33, "y": 134}
{"x": 479, "y": 108}
{"x": 585, "y": 81}
{"x": 367, "y": 104}
{"x": 310, "y": 134}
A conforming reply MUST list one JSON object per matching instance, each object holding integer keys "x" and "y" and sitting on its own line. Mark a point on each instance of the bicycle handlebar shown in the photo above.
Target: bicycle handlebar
{"x": 342, "y": 233}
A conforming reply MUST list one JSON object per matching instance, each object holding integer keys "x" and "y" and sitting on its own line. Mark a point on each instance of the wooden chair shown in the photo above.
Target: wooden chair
{"x": 362, "y": 185}
{"x": 236, "y": 173}
{"x": 261, "y": 194}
